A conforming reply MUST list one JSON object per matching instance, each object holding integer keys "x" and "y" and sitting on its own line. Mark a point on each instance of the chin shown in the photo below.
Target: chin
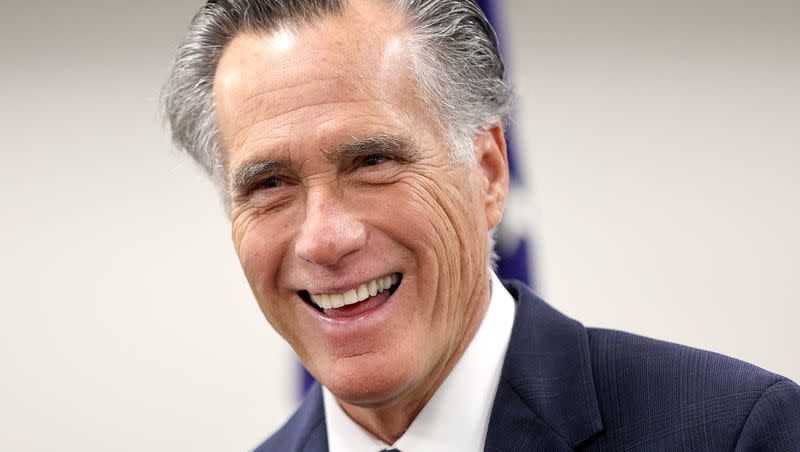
{"x": 369, "y": 381}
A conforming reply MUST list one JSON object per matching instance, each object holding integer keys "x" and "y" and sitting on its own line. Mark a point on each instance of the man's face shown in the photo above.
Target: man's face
{"x": 343, "y": 191}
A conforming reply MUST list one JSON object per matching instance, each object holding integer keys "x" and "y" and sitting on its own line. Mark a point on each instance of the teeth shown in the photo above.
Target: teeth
{"x": 325, "y": 301}
{"x": 363, "y": 292}
{"x": 353, "y": 296}
{"x": 350, "y": 297}
{"x": 337, "y": 300}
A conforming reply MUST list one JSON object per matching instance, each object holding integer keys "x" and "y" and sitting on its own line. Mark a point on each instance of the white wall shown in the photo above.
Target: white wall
{"x": 125, "y": 321}
{"x": 661, "y": 145}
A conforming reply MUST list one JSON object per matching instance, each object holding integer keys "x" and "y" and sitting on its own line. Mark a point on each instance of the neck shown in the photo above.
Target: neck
{"x": 389, "y": 420}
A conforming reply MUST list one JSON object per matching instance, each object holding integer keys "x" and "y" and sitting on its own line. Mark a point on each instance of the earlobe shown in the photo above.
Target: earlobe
{"x": 493, "y": 161}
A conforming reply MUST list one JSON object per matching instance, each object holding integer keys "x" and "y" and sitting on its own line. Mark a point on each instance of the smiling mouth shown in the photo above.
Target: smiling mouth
{"x": 324, "y": 302}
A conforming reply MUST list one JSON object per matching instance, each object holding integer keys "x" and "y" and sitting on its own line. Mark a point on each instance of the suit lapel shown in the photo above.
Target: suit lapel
{"x": 310, "y": 433}
{"x": 546, "y": 398}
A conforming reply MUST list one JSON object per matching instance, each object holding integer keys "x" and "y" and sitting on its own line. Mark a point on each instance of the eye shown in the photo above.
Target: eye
{"x": 270, "y": 182}
{"x": 373, "y": 160}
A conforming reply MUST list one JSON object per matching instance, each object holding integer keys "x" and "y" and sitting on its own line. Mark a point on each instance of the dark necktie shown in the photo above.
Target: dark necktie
{"x": 389, "y": 450}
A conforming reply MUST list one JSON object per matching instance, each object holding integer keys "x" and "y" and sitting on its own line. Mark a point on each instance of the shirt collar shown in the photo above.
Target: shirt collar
{"x": 457, "y": 416}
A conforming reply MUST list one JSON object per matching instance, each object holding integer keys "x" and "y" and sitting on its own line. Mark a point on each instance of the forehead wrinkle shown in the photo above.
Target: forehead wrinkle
{"x": 256, "y": 96}
{"x": 257, "y": 104}
{"x": 254, "y": 110}
{"x": 251, "y": 128}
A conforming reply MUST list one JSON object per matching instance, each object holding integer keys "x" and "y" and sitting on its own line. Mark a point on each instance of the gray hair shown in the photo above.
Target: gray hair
{"x": 455, "y": 57}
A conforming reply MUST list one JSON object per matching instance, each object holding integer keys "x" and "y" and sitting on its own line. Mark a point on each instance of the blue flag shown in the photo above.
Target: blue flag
{"x": 513, "y": 245}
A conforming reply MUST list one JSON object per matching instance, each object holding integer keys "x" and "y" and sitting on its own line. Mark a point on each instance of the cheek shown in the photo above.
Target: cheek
{"x": 260, "y": 252}
{"x": 451, "y": 210}
{"x": 440, "y": 222}
{"x": 421, "y": 220}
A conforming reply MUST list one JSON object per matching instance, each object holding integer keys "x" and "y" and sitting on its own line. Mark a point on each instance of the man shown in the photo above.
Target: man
{"x": 359, "y": 148}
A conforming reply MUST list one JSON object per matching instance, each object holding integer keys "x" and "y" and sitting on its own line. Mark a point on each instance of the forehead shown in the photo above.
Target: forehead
{"x": 325, "y": 79}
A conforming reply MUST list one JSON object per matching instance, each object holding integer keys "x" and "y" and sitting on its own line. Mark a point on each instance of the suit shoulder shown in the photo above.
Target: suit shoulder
{"x": 677, "y": 397}
{"x": 634, "y": 355}
{"x": 283, "y": 439}
{"x": 304, "y": 430}
{"x": 774, "y": 422}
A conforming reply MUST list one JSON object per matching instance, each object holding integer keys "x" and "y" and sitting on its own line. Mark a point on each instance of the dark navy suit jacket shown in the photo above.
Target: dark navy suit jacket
{"x": 565, "y": 387}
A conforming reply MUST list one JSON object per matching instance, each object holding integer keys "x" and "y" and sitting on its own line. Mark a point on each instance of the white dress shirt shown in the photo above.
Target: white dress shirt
{"x": 457, "y": 416}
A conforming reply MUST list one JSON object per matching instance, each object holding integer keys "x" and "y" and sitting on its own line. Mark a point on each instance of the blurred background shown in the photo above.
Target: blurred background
{"x": 659, "y": 143}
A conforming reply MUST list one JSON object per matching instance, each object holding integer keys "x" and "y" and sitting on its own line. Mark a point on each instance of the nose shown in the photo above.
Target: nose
{"x": 329, "y": 232}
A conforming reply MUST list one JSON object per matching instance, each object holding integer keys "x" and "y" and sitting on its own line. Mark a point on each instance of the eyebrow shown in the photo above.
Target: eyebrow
{"x": 394, "y": 146}
{"x": 389, "y": 145}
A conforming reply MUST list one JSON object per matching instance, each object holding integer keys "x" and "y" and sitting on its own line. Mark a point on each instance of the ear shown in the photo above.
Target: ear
{"x": 492, "y": 157}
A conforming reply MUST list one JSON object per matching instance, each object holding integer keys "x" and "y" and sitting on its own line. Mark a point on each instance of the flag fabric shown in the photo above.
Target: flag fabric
{"x": 513, "y": 245}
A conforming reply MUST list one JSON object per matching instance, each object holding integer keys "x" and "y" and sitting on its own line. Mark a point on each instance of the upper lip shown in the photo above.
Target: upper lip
{"x": 342, "y": 287}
